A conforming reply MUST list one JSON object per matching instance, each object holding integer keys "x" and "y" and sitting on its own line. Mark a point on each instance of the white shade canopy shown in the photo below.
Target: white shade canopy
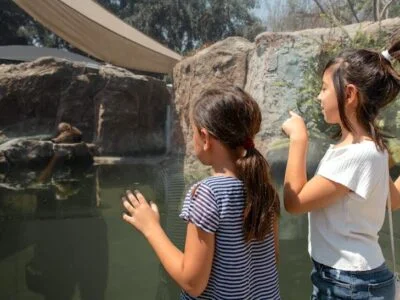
{"x": 92, "y": 29}
{"x": 28, "y": 53}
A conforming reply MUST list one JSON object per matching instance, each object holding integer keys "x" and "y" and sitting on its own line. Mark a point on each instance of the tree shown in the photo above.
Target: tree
{"x": 346, "y": 12}
{"x": 18, "y": 28}
{"x": 381, "y": 9}
{"x": 290, "y": 15}
{"x": 186, "y": 24}
{"x": 11, "y": 19}
{"x": 181, "y": 25}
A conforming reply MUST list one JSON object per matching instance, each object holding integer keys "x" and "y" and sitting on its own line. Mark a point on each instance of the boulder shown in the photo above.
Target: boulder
{"x": 28, "y": 152}
{"x": 271, "y": 70}
{"x": 121, "y": 112}
{"x": 224, "y": 62}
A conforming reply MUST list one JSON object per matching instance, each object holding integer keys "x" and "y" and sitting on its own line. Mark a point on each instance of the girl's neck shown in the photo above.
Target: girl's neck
{"x": 356, "y": 136}
{"x": 223, "y": 159}
{"x": 227, "y": 168}
{"x": 224, "y": 163}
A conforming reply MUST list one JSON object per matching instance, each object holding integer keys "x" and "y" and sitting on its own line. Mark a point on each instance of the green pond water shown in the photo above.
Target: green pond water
{"x": 64, "y": 238}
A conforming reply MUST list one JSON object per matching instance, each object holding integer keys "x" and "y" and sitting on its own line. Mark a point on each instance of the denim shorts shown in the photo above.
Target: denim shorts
{"x": 329, "y": 283}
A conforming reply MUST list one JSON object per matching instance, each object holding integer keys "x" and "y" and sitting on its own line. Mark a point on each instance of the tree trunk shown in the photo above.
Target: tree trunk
{"x": 353, "y": 11}
{"x": 376, "y": 9}
{"x": 320, "y": 7}
{"x": 385, "y": 9}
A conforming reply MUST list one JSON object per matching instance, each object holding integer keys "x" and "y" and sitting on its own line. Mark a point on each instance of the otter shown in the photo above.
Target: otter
{"x": 67, "y": 134}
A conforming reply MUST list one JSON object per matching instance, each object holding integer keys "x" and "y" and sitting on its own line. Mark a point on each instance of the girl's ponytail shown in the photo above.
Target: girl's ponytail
{"x": 262, "y": 201}
{"x": 391, "y": 55}
{"x": 394, "y": 48}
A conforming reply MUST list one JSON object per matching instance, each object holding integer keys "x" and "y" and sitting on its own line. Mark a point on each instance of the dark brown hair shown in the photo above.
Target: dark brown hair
{"x": 376, "y": 80}
{"x": 233, "y": 117}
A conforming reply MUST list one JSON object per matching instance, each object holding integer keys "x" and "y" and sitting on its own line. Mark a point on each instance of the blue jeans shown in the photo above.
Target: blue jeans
{"x": 330, "y": 283}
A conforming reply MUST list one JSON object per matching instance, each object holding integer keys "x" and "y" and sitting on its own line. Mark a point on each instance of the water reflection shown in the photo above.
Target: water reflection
{"x": 53, "y": 237}
{"x": 69, "y": 255}
{"x": 63, "y": 237}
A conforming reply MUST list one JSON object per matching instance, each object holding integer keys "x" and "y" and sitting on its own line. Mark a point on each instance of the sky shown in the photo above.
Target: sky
{"x": 262, "y": 11}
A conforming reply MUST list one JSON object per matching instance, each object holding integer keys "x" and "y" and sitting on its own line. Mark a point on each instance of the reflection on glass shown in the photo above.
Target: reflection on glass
{"x": 63, "y": 237}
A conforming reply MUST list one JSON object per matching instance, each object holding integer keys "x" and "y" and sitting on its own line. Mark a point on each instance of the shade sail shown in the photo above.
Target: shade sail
{"x": 92, "y": 29}
{"x": 29, "y": 53}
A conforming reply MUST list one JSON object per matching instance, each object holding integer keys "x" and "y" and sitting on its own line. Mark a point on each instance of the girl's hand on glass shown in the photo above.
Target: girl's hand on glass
{"x": 142, "y": 215}
{"x": 294, "y": 127}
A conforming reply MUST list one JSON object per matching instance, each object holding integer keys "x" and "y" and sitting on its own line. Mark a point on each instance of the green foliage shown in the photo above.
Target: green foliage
{"x": 181, "y": 25}
{"x": 186, "y": 25}
{"x": 18, "y": 28}
{"x": 307, "y": 102}
{"x": 394, "y": 146}
{"x": 292, "y": 15}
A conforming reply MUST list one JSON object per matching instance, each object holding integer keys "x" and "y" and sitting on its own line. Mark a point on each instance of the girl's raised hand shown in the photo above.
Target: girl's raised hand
{"x": 140, "y": 214}
{"x": 294, "y": 127}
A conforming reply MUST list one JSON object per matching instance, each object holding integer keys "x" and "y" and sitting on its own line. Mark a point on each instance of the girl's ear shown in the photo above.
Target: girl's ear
{"x": 206, "y": 138}
{"x": 352, "y": 95}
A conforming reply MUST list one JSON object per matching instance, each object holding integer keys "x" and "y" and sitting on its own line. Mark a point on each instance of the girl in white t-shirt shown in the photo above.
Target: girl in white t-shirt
{"x": 346, "y": 199}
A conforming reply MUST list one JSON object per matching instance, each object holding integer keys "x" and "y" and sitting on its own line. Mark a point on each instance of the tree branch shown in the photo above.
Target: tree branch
{"x": 375, "y": 10}
{"x": 384, "y": 9}
{"x": 320, "y": 7}
{"x": 353, "y": 11}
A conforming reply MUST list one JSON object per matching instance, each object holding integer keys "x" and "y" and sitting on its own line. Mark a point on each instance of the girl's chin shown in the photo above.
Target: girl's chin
{"x": 327, "y": 120}
{"x": 330, "y": 122}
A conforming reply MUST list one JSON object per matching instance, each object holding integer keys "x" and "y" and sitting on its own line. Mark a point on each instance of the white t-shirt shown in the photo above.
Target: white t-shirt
{"x": 344, "y": 235}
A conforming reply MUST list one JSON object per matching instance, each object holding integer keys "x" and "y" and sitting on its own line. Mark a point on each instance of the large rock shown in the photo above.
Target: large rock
{"x": 277, "y": 64}
{"x": 32, "y": 153}
{"x": 224, "y": 62}
{"x": 27, "y": 152}
{"x": 121, "y": 112}
{"x": 271, "y": 70}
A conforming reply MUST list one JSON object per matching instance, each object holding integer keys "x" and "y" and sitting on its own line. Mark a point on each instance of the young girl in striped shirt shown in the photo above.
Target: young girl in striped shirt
{"x": 347, "y": 197}
{"x": 232, "y": 216}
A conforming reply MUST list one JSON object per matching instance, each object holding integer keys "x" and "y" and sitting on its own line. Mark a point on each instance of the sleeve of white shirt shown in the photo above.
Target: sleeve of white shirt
{"x": 353, "y": 168}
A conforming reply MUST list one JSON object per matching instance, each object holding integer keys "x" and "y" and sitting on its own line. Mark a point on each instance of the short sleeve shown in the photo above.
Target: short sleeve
{"x": 200, "y": 208}
{"x": 356, "y": 169}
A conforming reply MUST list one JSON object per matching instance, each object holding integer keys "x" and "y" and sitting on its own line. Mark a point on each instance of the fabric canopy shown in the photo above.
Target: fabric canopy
{"x": 29, "y": 53}
{"x": 92, "y": 29}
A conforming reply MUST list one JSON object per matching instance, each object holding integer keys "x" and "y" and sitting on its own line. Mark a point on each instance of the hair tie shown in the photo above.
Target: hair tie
{"x": 248, "y": 143}
{"x": 387, "y": 55}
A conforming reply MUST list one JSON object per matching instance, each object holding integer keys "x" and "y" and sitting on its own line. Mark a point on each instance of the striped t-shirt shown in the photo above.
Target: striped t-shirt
{"x": 240, "y": 270}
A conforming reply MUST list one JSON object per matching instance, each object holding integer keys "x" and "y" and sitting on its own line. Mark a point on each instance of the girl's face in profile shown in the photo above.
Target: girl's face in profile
{"x": 328, "y": 99}
{"x": 198, "y": 144}
{"x": 197, "y": 141}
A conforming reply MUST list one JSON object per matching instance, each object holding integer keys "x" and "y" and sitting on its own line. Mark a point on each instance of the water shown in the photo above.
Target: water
{"x": 64, "y": 238}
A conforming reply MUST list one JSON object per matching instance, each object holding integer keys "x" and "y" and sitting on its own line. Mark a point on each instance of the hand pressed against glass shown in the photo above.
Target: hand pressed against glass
{"x": 142, "y": 215}
{"x": 190, "y": 269}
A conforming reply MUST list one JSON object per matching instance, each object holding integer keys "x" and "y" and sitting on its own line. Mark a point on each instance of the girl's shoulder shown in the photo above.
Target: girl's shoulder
{"x": 214, "y": 184}
{"x": 364, "y": 157}
{"x": 218, "y": 180}
{"x": 366, "y": 149}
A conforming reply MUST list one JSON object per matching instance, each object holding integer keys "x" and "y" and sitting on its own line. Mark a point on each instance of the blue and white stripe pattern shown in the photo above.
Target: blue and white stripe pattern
{"x": 240, "y": 270}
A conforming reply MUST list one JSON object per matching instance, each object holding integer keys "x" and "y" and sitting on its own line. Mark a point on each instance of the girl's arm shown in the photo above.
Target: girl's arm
{"x": 395, "y": 193}
{"x": 190, "y": 269}
{"x": 299, "y": 195}
{"x": 317, "y": 193}
{"x": 276, "y": 238}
